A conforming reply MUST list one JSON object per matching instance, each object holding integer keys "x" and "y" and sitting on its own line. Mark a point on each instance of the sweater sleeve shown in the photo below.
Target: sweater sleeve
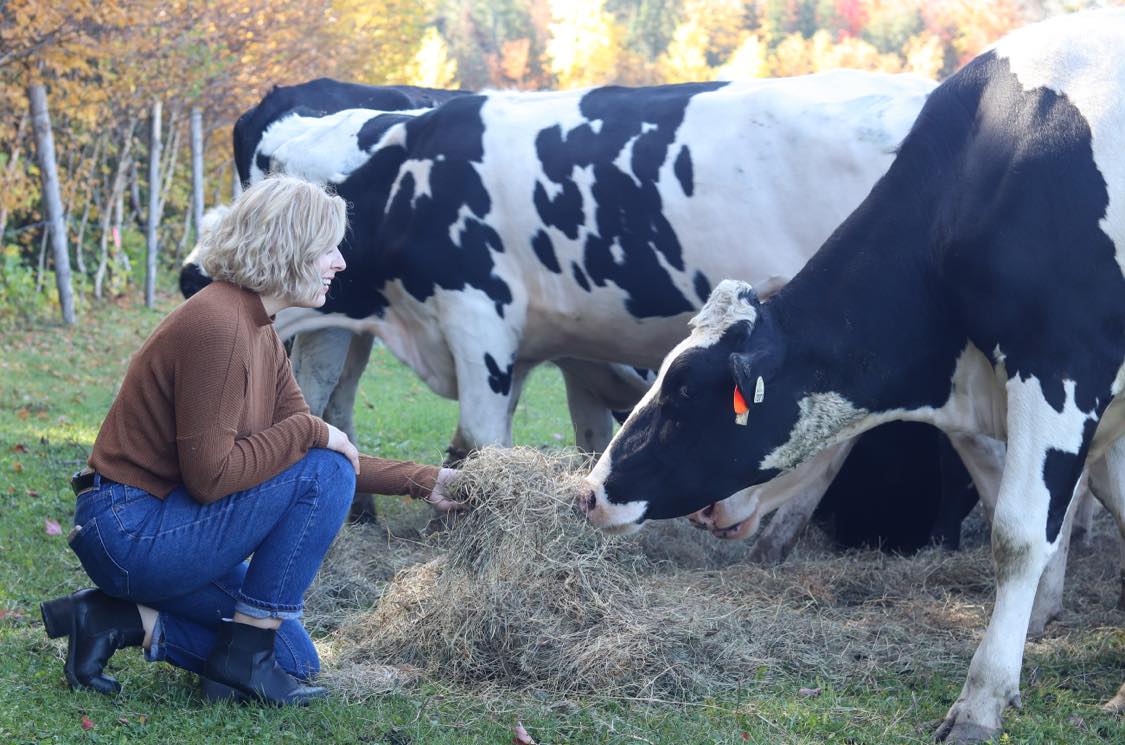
{"x": 210, "y": 395}
{"x": 290, "y": 400}
{"x": 395, "y": 477}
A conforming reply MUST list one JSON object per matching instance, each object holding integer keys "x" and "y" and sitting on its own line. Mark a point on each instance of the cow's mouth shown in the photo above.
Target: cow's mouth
{"x": 731, "y": 531}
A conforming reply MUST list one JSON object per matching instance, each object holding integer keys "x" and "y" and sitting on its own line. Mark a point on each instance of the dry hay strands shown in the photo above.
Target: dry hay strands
{"x": 524, "y": 593}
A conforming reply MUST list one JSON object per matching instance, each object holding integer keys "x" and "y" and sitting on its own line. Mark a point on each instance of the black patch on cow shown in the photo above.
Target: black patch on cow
{"x": 580, "y": 276}
{"x": 321, "y": 97}
{"x": 500, "y": 381}
{"x": 702, "y": 286}
{"x": 374, "y": 128}
{"x": 545, "y": 251}
{"x": 683, "y": 170}
{"x": 1061, "y": 471}
{"x": 192, "y": 279}
{"x": 628, "y": 209}
{"x": 263, "y": 162}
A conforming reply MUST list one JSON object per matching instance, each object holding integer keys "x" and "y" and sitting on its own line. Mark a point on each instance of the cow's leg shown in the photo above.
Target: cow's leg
{"x": 1039, "y": 480}
{"x": 318, "y": 357}
{"x": 1107, "y": 481}
{"x": 1049, "y": 594}
{"x": 340, "y": 411}
{"x": 1083, "y": 519}
{"x": 486, "y": 381}
{"x": 984, "y": 460}
{"x": 593, "y": 422}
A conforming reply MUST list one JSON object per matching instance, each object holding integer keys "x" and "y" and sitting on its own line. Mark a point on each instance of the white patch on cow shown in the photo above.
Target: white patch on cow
{"x": 823, "y": 418}
{"x": 1118, "y": 381}
{"x": 550, "y": 187}
{"x": 321, "y": 149}
{"x": 464, "y": 215}
{"x": 420, "y": 171}
{"x": 647, "y": 127}
{"x": 617, "y": 253}
{"x": 624, "y": 160}
{"x": 1088, "y": 74}
{"x": 596, "y": 125}
{"x": 724, "y": 308}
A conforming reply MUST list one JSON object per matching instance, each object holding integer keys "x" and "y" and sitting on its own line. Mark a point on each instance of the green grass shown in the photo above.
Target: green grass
{"x": 55, "y": 386}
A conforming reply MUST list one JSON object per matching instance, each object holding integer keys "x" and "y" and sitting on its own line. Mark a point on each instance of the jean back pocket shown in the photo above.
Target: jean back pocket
{"x": 86, "y": 542}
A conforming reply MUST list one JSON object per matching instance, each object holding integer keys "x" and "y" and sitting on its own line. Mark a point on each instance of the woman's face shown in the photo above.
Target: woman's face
{"x": 327, "y": 264}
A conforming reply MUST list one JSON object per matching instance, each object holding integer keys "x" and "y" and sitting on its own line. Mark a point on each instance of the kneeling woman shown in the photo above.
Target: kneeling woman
{"x": 209, "y": 455}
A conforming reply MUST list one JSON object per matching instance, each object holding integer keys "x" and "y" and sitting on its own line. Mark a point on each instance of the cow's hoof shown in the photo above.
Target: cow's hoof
{"x": 1039, "y": 621}
{"x": 961, "y": 725}
{"x": 1116, "y": 705}
{"x": 954, "y": 731}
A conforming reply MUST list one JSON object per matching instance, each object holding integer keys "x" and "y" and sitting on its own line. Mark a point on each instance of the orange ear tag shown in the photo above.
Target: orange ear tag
{"x": 741, "y": 410}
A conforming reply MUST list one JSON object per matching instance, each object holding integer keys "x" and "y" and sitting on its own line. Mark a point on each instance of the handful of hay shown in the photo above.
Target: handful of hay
{"x": 524, "y": 592}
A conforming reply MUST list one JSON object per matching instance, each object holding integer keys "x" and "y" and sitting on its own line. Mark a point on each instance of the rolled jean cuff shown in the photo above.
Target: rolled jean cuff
{"x": 156, "y": 651}
{"x": 248, "y": 607}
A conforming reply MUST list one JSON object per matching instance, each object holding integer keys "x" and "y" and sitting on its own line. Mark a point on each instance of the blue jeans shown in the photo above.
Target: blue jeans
{"x": 188, "y": 560}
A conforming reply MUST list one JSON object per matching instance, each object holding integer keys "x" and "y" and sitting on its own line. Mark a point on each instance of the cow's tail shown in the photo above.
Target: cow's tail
{"x": 192, "y": 277}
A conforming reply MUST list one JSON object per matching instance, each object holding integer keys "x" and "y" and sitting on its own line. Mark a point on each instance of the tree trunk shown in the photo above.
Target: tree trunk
{"x": 153, "y": 205}
{"x": 196, "y": 169}
{"x": 10, "y": 170}
{"x": 112, "y": 206}
{"x": 45, "y": 147}
{"x": 87, "y": 191}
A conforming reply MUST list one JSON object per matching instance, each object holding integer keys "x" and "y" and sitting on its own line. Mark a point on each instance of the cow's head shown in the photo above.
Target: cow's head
{"x": 693, "y": 440}
{"x": 192, "y": 277}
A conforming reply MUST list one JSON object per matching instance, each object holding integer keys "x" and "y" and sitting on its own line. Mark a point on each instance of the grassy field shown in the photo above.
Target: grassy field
{"x": 56, "y": 384}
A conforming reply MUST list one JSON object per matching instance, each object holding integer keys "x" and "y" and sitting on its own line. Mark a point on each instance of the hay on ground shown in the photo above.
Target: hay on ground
{"x": 521, "y": 592}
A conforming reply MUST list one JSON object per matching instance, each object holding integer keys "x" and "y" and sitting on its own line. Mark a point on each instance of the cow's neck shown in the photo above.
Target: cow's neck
{"x": 862, "y": 323}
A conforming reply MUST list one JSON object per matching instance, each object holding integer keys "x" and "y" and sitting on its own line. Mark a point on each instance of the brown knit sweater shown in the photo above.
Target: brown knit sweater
{"x": 210, "y": 402}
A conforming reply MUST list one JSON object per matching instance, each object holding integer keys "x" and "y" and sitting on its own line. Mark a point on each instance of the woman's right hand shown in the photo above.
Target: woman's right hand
{"x": 339, "y": 442}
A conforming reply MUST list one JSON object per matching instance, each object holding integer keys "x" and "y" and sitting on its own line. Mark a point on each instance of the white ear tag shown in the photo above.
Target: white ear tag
{"x": 759, "y": 390}
{"x": 742, "y": 419}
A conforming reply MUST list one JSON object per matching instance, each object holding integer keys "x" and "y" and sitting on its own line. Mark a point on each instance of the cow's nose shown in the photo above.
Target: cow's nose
{"x": 586, "y": 500}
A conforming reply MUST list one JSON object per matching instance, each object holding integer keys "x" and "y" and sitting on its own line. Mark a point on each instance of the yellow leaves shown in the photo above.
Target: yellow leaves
{"x": 584, "y": 44}
{"x": 431, "y": 66}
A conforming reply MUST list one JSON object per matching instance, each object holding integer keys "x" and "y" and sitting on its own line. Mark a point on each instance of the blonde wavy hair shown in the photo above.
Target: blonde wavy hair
{"x": 269, "y": 239}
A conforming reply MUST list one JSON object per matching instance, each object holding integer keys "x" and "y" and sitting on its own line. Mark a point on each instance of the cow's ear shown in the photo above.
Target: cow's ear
{"x": 752, "y": 371}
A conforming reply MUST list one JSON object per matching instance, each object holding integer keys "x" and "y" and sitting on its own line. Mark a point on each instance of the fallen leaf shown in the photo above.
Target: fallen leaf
{"x": 32, "y": 493}
{"x": 122, "y": 720}
{"x": 522, "y": 738}
{"x": 87, "y": 722}
{"x": 142, "y": 719}
{"x": 23, "y": 413}
{"x": 809, "y": 692}
{"x": 19, "y": 448}
{"x": 15, "y": 615}
{"x": 745, "y": 736}
{"x": 52, "y": 527}
{"x": 17, "y": 467}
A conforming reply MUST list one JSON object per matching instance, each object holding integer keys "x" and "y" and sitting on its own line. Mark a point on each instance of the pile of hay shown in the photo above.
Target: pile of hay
{"x": 522, "y": 593}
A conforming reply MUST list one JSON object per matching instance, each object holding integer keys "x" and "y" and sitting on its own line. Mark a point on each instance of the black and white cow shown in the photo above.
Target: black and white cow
{"x": 298, "y": 131}
{"x": 980, "y": 287}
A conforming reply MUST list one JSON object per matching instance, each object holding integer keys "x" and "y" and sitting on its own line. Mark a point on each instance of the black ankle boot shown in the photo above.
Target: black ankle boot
{"x": 243, "y": 659}
{"x": 98, "y": 626}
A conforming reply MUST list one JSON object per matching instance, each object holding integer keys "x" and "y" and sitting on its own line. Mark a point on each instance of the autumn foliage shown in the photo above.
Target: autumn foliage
{"x": 105, "y": 62}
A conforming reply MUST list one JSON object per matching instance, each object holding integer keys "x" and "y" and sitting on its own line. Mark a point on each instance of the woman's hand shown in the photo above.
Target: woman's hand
{"x": 439, "y": 498}
{"x": 339, "y": 442}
